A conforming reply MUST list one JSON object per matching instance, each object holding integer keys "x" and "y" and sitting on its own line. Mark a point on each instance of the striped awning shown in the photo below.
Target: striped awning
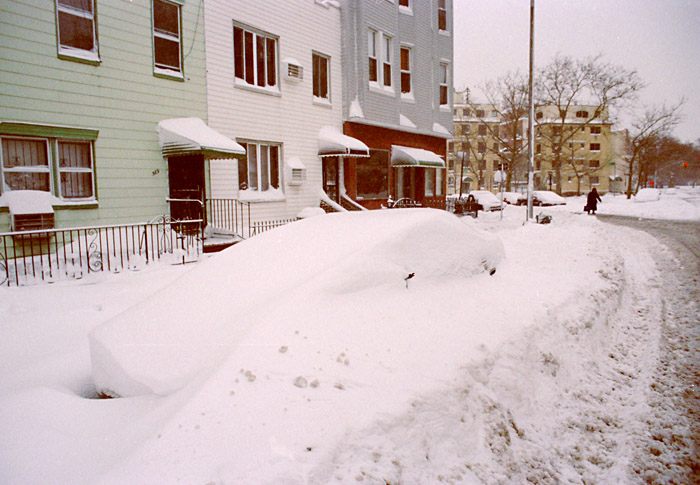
{"x": 191, "y": 136}
{"x": 414, "y": 157}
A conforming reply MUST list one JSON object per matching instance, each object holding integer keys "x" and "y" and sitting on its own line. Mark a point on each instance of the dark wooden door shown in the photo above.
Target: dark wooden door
{"x": 186, "y": 178}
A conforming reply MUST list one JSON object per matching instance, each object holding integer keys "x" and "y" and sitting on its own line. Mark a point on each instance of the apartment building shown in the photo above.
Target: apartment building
{"x": 397, "y": 99}
{"x": 581, "y": 141}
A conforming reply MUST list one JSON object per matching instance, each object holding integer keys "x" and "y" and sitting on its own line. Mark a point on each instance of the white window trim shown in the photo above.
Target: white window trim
{"x": 68, "y": 51}
{"x": 446, "y": 65}
{"x": 409, "y": 95}
{"x": 271, "y": 193}
{"x": 380, "y": 54}
{"x": 164, "y": 70}
{"x": 447, "y": 20}
{"x": 52, "y": 167}
{"x": 242, "y": 83}
{"x": 317, "y": 99}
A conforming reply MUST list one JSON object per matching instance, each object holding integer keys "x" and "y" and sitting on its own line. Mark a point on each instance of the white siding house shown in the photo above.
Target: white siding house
{"x": 273, "y": 82}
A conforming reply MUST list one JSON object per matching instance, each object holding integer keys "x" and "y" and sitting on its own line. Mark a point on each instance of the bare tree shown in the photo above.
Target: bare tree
{"x": 507, "y": 100}
{"x": 566, "y": 83}
{"x": 645, "y": 140}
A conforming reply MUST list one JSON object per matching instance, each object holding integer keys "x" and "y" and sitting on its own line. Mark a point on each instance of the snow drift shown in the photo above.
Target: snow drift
{"x": 161, "y": 344}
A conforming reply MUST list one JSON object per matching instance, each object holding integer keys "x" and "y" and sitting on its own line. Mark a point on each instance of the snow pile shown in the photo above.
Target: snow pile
{"x": 28, "y": 201}
{"x": 647, "y": 195}
{"x": 162, "y": 344}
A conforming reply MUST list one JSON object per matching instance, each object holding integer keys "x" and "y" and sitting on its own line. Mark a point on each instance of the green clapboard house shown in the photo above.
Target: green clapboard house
{"x": 85, "y": 85}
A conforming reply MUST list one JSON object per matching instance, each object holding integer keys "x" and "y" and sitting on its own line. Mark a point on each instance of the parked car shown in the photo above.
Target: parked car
{"x": 547, "y": 197}
{"x": 489, "y": 201}
{"x": 647, "y": 195}
{"x": 513, "y": 198}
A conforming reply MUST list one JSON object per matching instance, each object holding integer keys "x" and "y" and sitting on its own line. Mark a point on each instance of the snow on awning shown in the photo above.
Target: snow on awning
{"x": 332, "y": 143}
{"x": 190, "y": 136}
{"x": 467, "y": 178}
{"x": 615, "y": 178}
{"x": 414, "y": 157}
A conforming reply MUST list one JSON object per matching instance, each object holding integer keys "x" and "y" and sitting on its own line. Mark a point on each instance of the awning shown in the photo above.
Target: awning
{"x": 191, "y": 136}
{"x": 332, "y": 143}
{"x": 467, "y": 178}
{"x": 615, "y": 178}
{"x": 414, "y": 157}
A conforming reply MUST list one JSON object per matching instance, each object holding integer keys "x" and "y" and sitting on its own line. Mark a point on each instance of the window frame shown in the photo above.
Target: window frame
{"x": 261, "y": 173}
{"x": 406, "y": 73}
{"x": 377, "y": 164}
{"x": 442, "y": 20}
{"x": 380, "y": 54}
{"x": 596, "y": 145}
{"x": 250, "y": 59}
{"x": 163, "y": 70}
{"x": 72, "y": 53}
{"x": 405, "y": 7}
{"x": 51, "y": 143}
{"x": 316, "y": 77}
{"x": 443, "y": 85}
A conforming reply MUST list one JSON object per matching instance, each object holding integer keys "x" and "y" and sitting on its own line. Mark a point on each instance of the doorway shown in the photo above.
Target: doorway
{"x": 186, "y": 179}
{"x": 331, "y": 179}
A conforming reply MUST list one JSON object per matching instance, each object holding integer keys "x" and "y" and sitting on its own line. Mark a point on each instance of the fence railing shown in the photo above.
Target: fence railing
{"x": 262, "y": 226}
{"x": 230, "y": 214}
{"x": 27, "y": 257}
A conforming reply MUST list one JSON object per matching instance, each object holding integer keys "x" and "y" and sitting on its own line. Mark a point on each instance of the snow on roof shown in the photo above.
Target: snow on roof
{"x": 404, "y": 121}
{"x": 332, "y": 142}
{"x": 356, "y": 109}
{"x": 438, "y": 128}
{"x": 182, "y": 135}
{"x": 29, "y": 201}
{"x": 415, "y": 157}
{"x": 295, "y": 162}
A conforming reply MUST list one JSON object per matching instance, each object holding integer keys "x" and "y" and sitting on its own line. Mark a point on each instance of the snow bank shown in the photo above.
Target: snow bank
{"x": 161, "y": 344}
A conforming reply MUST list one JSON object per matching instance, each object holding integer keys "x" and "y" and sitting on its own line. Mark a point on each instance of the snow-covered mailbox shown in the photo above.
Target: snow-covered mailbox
{"x": 30, "y": 210}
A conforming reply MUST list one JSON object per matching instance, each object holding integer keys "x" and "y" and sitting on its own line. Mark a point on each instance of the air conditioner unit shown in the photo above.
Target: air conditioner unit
{"x": 293, "y": 71}
{"x": 32, "y": 222}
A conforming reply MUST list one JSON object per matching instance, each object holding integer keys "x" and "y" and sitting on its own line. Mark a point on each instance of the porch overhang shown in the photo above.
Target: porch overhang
{"x": 191, "y": 136}
{"x": 332, "y": 143}
{"x": 414, "y": 157}
{"x": 615, "y": 178}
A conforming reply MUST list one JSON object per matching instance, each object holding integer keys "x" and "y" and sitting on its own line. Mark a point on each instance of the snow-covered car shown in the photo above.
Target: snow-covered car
{"x": 489, "y": 201}
{"x": 191, "y": 326}
{"x": 647, "y": 195}
{"x": 513, "y": 198}
{"x": 547, "y": 198}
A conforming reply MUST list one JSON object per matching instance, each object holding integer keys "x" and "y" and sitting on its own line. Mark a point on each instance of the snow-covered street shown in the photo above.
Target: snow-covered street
{"x": 574, "y": 363}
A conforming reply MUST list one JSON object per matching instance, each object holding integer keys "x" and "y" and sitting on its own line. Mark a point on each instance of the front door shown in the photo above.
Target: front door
{"x": 186, "y": 178}
{"x": 331, "y": 180}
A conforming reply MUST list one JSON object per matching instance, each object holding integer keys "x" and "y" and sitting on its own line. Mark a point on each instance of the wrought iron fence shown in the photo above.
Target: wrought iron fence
{"x": 230, "y": 214}
{"x": 49, "y": 255}
{"x": 262, "y": 226}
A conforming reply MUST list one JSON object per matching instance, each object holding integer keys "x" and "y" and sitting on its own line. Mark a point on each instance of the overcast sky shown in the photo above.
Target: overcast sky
{"x": 658, "y": 38}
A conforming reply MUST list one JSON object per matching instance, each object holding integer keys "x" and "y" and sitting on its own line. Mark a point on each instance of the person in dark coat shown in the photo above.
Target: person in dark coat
{"x": 592, "y": 202}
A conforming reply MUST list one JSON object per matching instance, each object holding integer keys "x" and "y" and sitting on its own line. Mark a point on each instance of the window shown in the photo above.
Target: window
{"x": 495, "y": 147}
{"x": 30, "y": 163}
{"x": 406, "y": 71}
{"x": 594, "y": 163}
{"x": 405, "y": 3}
{"x": 538, "y": 148}
{"x": 433, "y": 182}
{"x": 261, "y": 169}
{"x": 321, "y": 75}
{"x": 482, "y": 130}
{"x": 77, "y": 32}
{"x": 386, "y": 60}
{"x": 582, "y": 114}
{"x": 595, "y": 147}
{"x": 255, "y": 57}
{"x": 594, "y": 179}
{"x": 372, "y": 53}
{"x": 480, "y": 113}
{"x": 595, "y": 130}
{"x": 167, "y": 53}
{"x": 442, "y": 15}
{"x": 481, "y": 147}
{"x": 444, "y": 100}
{"x": 496, "y": 130}
{"x": 539, "y": 115}
{"x": 373, "y": 175}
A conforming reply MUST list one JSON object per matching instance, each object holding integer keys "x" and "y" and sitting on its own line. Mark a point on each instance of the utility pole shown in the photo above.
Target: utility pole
{"x": 531, "y": 119}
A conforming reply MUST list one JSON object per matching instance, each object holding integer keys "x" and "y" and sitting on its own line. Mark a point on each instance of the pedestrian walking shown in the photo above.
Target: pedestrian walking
{"x": 592, "y": 201}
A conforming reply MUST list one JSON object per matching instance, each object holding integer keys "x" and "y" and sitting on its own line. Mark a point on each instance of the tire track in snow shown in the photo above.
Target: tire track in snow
{"x": 565, "y": 403}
